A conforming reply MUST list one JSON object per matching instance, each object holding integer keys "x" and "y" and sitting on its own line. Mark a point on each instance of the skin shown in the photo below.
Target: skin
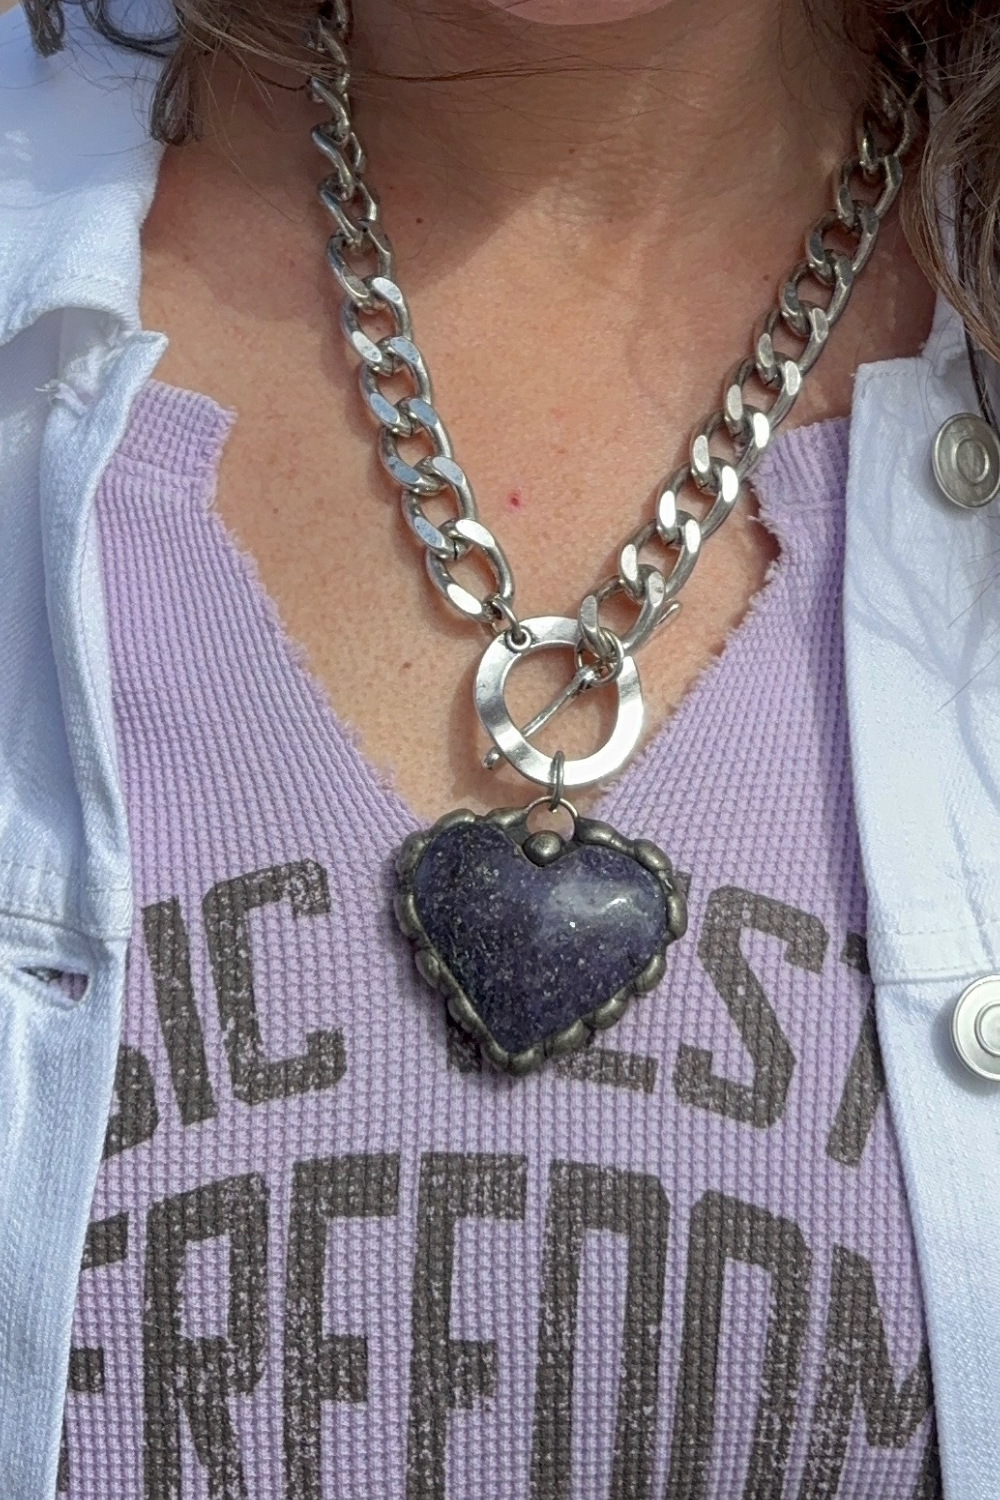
{"x": 579, "y": 289}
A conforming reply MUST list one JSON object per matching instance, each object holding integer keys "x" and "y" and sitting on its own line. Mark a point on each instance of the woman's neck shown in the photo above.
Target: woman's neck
{"x": 700, "y": 117}
{"x": 739, "y": 101}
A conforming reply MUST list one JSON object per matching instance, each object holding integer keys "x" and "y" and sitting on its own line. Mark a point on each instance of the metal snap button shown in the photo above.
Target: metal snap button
{"x": 966, "y": 461}
{"x": 975, "y": 1027}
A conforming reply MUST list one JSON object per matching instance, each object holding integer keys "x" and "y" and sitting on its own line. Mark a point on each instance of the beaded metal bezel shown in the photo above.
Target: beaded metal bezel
{"x": 513, "y": 823}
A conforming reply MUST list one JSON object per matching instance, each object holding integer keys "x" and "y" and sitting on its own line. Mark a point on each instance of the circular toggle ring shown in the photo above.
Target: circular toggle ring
{"x": 535, "y": 765}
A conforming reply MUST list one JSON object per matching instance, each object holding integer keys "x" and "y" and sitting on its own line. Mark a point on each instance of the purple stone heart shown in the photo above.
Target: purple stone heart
{"x": 536, "y": 947}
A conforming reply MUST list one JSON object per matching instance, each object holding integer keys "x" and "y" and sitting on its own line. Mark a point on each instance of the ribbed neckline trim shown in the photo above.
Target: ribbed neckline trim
{"x": 178, "y": 431}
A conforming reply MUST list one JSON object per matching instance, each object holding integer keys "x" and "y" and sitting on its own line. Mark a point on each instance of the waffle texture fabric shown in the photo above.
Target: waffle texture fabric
{"x": 332, "y": 1256}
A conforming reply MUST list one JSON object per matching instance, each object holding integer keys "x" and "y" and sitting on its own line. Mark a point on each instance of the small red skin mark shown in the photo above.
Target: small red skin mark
{"x": 516, "y": 500}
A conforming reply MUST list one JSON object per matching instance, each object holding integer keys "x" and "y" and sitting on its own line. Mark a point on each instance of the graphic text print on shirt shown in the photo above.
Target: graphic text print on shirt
{"x": 188, "y": 1381}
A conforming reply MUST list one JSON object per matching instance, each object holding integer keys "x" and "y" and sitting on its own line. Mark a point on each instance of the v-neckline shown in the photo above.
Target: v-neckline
{"x": 380, "y": 785}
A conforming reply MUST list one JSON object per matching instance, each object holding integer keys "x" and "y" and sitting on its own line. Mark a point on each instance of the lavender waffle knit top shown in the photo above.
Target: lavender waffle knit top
{"x": 330, "y": 1254}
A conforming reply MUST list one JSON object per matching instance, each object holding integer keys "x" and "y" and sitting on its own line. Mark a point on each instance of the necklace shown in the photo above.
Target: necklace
{"x": 537, "y": 941}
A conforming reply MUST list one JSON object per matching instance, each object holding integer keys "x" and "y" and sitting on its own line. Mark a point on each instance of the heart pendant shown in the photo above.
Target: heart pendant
{"x": 536, "y": 941}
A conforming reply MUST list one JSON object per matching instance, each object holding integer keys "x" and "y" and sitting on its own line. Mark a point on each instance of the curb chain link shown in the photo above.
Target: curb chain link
{"x": 757, "y": 396}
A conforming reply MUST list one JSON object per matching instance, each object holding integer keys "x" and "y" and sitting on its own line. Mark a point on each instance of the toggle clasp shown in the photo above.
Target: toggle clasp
{"x": 514, "y": 744}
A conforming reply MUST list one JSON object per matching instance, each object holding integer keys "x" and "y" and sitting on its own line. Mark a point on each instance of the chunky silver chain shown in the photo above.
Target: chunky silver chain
{"x": 690, "y": 503}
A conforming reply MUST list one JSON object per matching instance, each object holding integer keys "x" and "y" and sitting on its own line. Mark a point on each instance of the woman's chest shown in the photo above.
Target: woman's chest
{"x": 332, "y": 1255}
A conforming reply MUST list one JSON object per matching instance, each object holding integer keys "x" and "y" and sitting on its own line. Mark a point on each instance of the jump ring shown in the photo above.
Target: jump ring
{"x": 544, "y": 802}
{"x": 517, "y": 636}
{"x": 556, "y": 781}
{"x": 606, "y": 669}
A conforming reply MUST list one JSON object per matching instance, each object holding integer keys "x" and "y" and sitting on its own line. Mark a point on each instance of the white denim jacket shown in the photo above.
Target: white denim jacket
{"x": 922, "y": 627}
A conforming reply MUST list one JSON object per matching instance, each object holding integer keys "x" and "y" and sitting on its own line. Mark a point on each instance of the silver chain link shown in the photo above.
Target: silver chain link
{"x": 691, "y": 503}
